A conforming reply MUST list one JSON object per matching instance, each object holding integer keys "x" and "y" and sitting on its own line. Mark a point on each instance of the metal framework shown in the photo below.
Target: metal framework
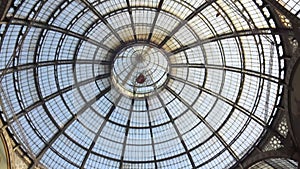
{"x": 219, "y": 98}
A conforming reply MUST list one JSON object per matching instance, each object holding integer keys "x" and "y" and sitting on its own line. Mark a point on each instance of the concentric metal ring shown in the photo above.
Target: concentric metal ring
{"x": 140, "y": 60}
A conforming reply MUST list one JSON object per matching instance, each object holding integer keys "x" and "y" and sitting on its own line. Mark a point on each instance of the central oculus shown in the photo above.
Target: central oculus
{"x": 140, "y": 70}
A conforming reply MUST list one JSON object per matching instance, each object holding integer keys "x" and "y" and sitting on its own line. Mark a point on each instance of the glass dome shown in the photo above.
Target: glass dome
{"x": 139, "y": 84}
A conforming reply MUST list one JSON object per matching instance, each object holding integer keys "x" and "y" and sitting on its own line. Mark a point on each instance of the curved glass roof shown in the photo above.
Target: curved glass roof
{"x": 139, "y": 84}
{"x": 292, "y": 5}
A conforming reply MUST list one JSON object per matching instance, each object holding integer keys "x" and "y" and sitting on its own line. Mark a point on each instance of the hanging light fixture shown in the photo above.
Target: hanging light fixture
{"x": 141, "y": 78}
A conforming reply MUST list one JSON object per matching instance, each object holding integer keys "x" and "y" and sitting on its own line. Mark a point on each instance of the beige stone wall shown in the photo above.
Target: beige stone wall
{"x": 15, "y": 161}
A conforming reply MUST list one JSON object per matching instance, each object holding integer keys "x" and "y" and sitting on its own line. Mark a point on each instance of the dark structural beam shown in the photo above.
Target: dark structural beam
{"x": 43, "y": 25}
{"x": 294, "y": 105}
{"x": 226, "y": 100}
{"x": 262, "y": 156}
{"x": 96, "y": 12}
{"x": 151, "y": 133}
{"x": 215, "y": 133}
{"x": 276, "y": 5}
{"x": 158, "y": 9}
{"x": 185, "y": 21}
{"x": 21, "y": 39}
{"x": 68, "y": 123}
{"x": 262, "y": 31}
{"x": 35, "y": 65}
{"x": 111, "y": 110}
{"x": 293, "y": 18}
{"x": 131, "y": 20}
{"x": 126, "y": 134}
{"x": 57, "y": 93}
{"x": 228, "y": 68}
{"x": 177, "y": 130}
{"x": 4, "y": 6}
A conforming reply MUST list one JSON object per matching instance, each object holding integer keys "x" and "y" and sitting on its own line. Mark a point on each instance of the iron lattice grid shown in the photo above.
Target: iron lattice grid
{"x": 220, "y": 96}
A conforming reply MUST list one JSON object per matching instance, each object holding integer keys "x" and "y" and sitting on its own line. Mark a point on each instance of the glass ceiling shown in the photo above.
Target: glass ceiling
{"x": 139, "y": 84}
{"x": 292, "y": 5}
